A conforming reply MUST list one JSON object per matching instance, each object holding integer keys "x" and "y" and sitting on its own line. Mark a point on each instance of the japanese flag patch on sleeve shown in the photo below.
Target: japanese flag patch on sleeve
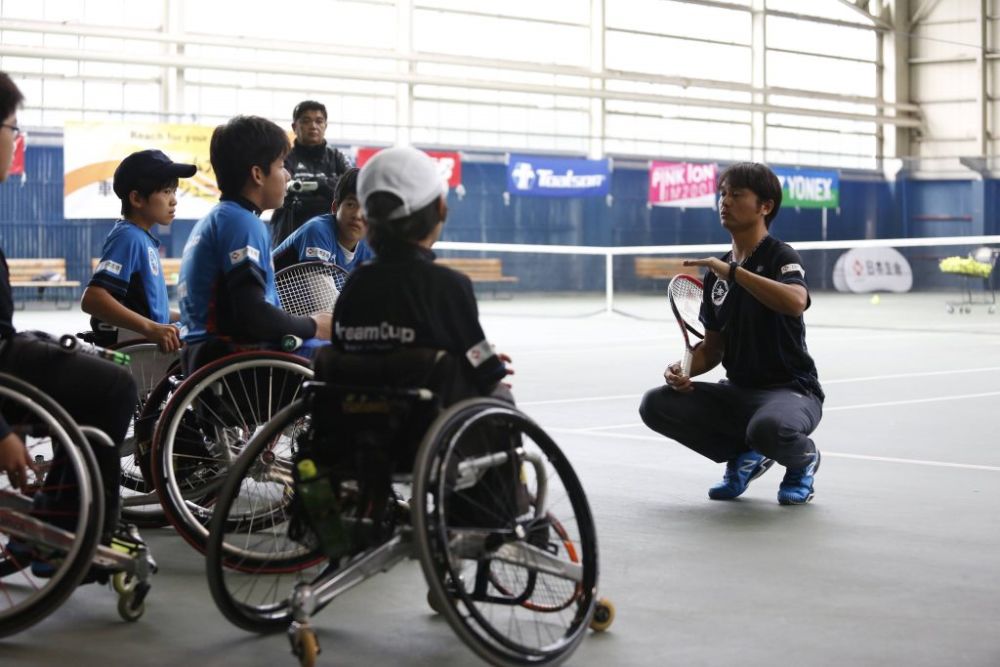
{"x": 110, "y": 267}
{"x": 237, "y": 256}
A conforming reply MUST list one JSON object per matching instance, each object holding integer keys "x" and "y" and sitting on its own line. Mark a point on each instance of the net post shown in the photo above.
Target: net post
{"x": 609, "y": 285}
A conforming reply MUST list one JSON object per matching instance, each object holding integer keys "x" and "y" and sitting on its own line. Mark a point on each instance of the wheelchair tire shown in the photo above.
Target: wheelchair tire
{"x": 251, "y": 578}
{"x": 511, "y": 559}
{"x": 151, "y": 369}
{"x": 206, "y": 425}
{"x": 25, "y": 596}
{"x": 148, "y": 366}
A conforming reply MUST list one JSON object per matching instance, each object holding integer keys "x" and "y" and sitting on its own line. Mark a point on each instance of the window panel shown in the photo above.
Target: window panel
{"x": 510, "y": 39}
{"x": 570, "y": 11}
{"x": 787, "y": 70}
{"x": 810, "y": 37}
{"x": 677, "y": 57}
{"x": 680, "y": 19}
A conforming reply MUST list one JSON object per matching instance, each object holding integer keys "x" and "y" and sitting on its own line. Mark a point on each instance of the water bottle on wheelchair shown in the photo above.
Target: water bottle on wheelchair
{"x": 499, "y": 521}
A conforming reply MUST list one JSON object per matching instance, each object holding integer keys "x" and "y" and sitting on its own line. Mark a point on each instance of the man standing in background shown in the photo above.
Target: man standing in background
{"x": 314, "y": 168}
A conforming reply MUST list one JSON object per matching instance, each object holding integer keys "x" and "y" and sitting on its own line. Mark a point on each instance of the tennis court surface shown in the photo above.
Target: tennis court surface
{"x": 897, "y": 561}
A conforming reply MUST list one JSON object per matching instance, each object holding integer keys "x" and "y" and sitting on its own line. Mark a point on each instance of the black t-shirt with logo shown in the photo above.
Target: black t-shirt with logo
{"x": 762, "y": 347}
{"x": 403, "y": 299}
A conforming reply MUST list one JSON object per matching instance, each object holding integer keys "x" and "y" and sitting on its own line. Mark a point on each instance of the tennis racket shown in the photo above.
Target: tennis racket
{"x": 309, "y": 287}
{"x": 684, "y": 293}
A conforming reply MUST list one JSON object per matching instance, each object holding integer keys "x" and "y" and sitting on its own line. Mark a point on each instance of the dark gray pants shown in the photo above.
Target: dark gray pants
{"x": 93, "y": 391}
{"x": 721, "y": 420}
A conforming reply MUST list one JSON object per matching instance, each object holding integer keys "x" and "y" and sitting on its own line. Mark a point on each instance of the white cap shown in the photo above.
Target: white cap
{"x": 406, "y": 172}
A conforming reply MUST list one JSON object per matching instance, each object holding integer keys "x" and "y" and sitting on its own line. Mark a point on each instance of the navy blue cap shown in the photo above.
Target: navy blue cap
{"x": 145, "y": 165}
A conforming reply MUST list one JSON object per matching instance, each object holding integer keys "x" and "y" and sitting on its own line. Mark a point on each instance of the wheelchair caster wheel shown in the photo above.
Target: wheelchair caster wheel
{"x": 131, "y": 607}
{"x": 604, "y": 615}
{"x": 123, "y": 583}
{"x": 305, "y": 646}
{"x": 433, "y": 603}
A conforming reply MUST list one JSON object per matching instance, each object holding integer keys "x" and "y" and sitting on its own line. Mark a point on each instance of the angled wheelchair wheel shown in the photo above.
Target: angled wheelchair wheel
{"x": 149, "y": 368}
{"x": 504, "y": 535}
{"x": 207, "y": 423}
{"x": 253, "y": 564}
{"x": 148, "y": 365}
{"x": 50, "y": 529}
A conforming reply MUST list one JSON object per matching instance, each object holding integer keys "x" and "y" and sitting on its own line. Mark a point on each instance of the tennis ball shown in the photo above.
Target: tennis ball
{"x": 875, "y": 299}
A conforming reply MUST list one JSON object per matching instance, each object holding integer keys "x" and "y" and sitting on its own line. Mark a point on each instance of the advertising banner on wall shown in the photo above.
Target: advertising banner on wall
{"x": 93, "y": 149}
{"x": 449, "y": 163}
{"x": 801, "y": 188}
{"x": 682, "y": 184}
{"x": 872, "y": 270}
{"x": 537, "y": 176}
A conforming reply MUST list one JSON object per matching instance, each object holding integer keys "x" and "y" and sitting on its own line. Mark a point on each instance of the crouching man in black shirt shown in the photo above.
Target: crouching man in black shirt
{"x": 402, "y": 298}
{"x": 771, "y": 399}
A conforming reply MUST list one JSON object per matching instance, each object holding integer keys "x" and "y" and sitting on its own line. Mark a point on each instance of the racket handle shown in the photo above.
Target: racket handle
{"x": 290, "y": 343}
{"x": 686, "y": 363}
{"x": 71, "y": 343}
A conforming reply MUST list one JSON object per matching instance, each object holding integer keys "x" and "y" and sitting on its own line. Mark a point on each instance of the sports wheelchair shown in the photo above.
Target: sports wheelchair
{"x": 51, "y": 528}
{"x": 190, "y": 429}
{"x": 477, "y": 492}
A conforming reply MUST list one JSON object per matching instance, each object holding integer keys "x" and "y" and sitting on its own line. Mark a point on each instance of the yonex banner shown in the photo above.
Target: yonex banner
{"x": 682, "y": 184}
{"x": 809, "y": 189}
{"x": 449, "y": 164}
{"x": 537, "y": 176}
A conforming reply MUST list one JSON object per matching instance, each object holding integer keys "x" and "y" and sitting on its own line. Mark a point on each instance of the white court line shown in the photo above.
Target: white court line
{"x": 954, "y": 397}
{"x": 860, "y": 406}
{"x": 659, "y": 342}
{"x": 870, "y": 378}
{"x": 826, "y": 453}
{"x": 912, "y": 375}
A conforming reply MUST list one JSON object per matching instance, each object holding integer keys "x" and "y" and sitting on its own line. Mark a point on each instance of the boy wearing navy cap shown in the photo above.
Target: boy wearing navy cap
{"x": 128, "y": 289}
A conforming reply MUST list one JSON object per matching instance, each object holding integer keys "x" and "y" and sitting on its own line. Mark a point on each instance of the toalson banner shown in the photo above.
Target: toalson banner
{"x": 536, "y": 176}
{"x": 801, "y": 188}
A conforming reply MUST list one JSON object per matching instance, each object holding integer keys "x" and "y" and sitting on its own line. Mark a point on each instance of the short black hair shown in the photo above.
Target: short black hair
{"x": 11, "y": 97}
{"x": 240, "y": 145}
{"x": 146, "y": 187}
{"x": 308, "y": 105}
{"x": 759, "y": 179}
{"x": 383, "y": 232}
{"x": 347, "y": 185}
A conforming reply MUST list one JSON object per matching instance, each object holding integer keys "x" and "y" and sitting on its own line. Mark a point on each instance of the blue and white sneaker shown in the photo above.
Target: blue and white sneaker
{"x": 740, "y": 471}
{"x": 797, "y": 486}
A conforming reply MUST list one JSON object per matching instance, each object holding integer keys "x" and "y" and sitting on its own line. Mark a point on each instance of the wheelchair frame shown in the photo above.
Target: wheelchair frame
{"x": 71, "y": 554}
{"x": 426, "y": 538}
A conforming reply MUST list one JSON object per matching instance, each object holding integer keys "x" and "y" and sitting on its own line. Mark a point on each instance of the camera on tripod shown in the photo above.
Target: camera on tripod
{"x": 301, "y": 186}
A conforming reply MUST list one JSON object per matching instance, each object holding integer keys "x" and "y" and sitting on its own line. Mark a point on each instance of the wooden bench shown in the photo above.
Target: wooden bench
{"x": 41, "y": 274}
{"x": 662, "y": 267}
{"x": 479, "y": 270}
{"x": 171, "y": 267}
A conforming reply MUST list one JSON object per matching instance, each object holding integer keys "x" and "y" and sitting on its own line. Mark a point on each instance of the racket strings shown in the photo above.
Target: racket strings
{"x": 687, "y": 296}
{"x": 313, "y": 288}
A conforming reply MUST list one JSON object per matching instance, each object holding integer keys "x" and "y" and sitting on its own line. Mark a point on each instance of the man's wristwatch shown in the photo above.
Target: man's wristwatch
{"x": 732, "y": 272}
